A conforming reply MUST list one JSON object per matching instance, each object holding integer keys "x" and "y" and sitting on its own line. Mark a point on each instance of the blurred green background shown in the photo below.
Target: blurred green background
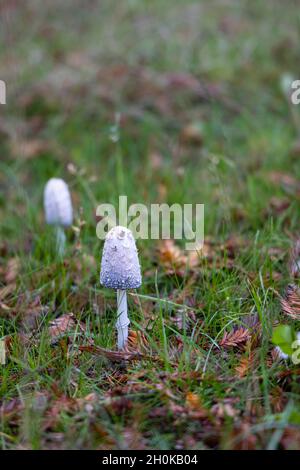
{"x": 164, "y": 101}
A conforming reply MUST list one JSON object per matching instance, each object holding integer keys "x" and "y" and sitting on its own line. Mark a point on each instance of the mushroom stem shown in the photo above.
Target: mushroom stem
{"x": 123, "y": 320}
{"x": 60, "y": 240}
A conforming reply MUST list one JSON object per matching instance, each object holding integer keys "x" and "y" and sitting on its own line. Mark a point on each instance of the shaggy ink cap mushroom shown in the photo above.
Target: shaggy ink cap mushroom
{"x": 57, "y": 203}
{"x": 120, "y": 267}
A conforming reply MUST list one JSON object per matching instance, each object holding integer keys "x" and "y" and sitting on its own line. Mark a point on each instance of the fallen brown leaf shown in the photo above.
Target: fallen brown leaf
{"x": 183, "y": 318}
{"x": 114, "y": 356}
{"x": 133, "y": 439}
{"x": 62, "y": 404}
{"x": 295, "y": 150}
{"x": 29, "y": 149}
{"x": 171, "y": 257}
{"x": 193, "y": 401}
{"x": 137, "y": 342}
{"x": 221, "y": 410}
{"x": 4, "y": 308}
{"x": 156, "y": 160}
{"x": 12, "y": 270}
{"x": 290, "y": 303}
{"x": 61, "y": 326}
{"x": 30, "y": 310}
{"x": 241, "y": 438}
{"x": 10, "y": 408}
{"x": 294, "y": 263}
{"x": 235, "y": 338}
{"x": 175, "y": 260}
{"x": 7, "y": 290}
{"x": 279, "y": 205}
{"x": 246, "y": 365}
{"x": 278, "y": 400}
{"x": 287, "y": 181}
{"x": 192, "y": 134}
{"x": 291, "y": 438}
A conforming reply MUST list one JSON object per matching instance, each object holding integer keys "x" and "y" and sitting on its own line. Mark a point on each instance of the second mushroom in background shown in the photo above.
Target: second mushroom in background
{"x": 120, "y": 270}
{"x": 58, "y": 209}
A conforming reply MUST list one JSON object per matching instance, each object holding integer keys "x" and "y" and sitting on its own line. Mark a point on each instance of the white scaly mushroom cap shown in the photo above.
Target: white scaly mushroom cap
{"x": 120, "y": 267}
{"x": 57, "y": 203}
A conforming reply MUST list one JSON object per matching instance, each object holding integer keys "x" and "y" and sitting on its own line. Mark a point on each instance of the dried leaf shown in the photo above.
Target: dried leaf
{"x": 193, "y": 401}
{"x": 29, "y": 149}
{"x": 61, "y": 404}
{"x": 295, "y": 150}
{"x": 242, "y": 438}
{"x": 175, "y": 260}
{"x": 192, "y": 134}
{"x": 279, "y": 205}
{"x": 133, "y": 439}
{"x": 114, "y": 356}
{"x": 7, "y": 290}
{"x": 252, "y": 322}
{"x": 88, "y": 402}
{"x": 4, "y": 308}
{"x": 30, "y": 310}
{"x": 290, "y": 304}
{"x": 137, "y": 342}
{"x": 183, "y": 318}
{"x": 182, "y": 81}
{"x": 162, "y": 192}
{"x": 274, "y": 357}
{"x": 235, "y": 338}
{"x": 288, "y": 182}
{"x": 171, "y": 256}
{"x": 278, "y": 400}
{"x": 156, "y": 160}
{"x": 185, "y": 81}
{"x": 246, "y": 365}
{"x": 61, "y": 326}
{"x": 10, "y": 408}
{"x": 12, "y": 270}
{"x": 294, "y": 264}
{"x": 221, "y": 410}
{"x": 291, "y": 438}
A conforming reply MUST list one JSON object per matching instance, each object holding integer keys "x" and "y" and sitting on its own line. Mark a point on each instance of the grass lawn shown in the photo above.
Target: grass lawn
{"x": 162, "y": 101}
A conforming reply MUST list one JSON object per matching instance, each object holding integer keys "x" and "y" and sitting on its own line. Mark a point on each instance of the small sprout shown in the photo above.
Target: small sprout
{"x": 285, "y": 340}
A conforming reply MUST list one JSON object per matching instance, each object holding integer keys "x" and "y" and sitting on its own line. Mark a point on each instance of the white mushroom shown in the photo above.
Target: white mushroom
{"x": 58, "y": 209}
{"x": 120, "y": 270}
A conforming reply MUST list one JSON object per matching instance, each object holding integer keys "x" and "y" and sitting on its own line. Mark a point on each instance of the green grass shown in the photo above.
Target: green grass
{"x": 69, "y": 72}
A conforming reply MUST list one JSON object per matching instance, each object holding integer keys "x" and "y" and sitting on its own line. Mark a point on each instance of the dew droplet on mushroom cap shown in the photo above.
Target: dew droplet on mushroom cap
{"x": 120, "y": 267}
